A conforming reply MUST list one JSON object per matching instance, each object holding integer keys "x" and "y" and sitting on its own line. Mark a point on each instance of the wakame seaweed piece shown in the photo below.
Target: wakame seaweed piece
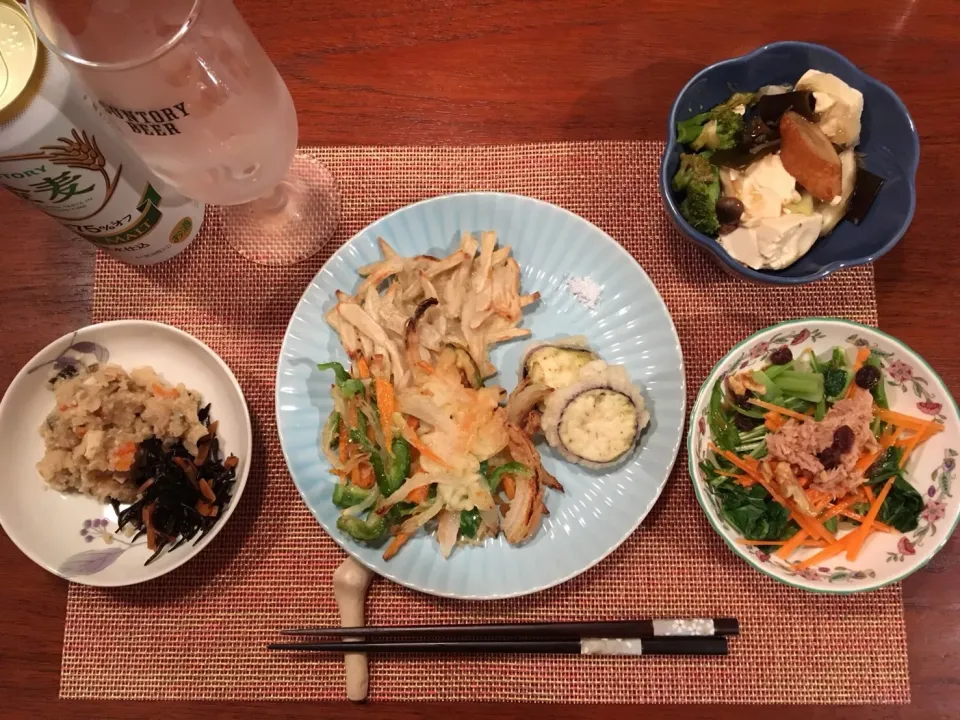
{"x": 865, "y": 190}
{"x": 770, "y": 108}
{"x": 203, "y": 414}
{"x": 741, "y": 156}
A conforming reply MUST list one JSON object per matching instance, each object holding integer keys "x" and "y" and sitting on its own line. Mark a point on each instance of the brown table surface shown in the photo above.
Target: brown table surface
{"x": 511, "y": 71}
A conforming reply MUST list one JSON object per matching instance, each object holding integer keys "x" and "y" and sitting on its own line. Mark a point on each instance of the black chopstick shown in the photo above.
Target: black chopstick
{"x": 586, "y": 646}
{"x": 689, "y": 627}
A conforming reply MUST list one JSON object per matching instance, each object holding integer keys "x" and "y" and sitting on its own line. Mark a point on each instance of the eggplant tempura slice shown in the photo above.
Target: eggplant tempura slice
{"x": 596, "y": 421}
{"x": 556, "y": 363}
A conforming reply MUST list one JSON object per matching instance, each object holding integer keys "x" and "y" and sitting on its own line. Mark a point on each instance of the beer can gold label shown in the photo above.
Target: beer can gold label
{"x": 18, "y": 54}
{"x": 58, "y": 155}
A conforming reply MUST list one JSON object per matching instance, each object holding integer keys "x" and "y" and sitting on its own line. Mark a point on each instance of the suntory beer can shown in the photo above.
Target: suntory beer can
{"x": 60, "y": 156}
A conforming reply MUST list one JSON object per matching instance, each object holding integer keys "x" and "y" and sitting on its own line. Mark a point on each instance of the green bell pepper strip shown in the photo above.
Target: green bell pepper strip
{"x": 363, "y": 530}
{"x": 338, "y": 370}
{"x": 345, "y": 496}
{"x": 510, "y": 468}
{"x": 469, "y": 523}
{"x": 399, "y": 468}
{"x": 348, "y": 386}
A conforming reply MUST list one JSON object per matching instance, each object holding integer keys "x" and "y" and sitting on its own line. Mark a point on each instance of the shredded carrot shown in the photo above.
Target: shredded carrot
{"x": 509, "y": 486}
{"x": 840, "y": 507}
{"x": 206, "y": 509}
{"x": 386, "y": 405}
{"x": 811, "y": 524}
{"x": 859, "y": 518}
{"x": 418, "y": 495}
{"x": 123, "y": 456}
{"x": 888, "y": 438}
{"x": 147, "y": 516}
{"x": 792, "y": 544}
{"x": 745, "y": 481}
{"x": 428, "y": 369}
{"x": 868, "y": 491}
{"x": 818, "y": 497}
{"x": 807, "y": 542}
{"x": 412, "y": 422}
{"x": 398, "y": 541}
{"x": 343, "y": 442}
{"x": 411, "y": 437}
{"x": 912, "y": 443}
{"x": 362, "y": 475}
{"x": 161, "y": 392}
{"x": 363, "y": 370}
{"x": 207, "y": 491}
{"x": 752, "y": 470}
{"x": 828, "y": 552}
{"x": 773, "y": 421}
{"x": 861, "y": 532}
{"x": 907, "y": 421}
{"x": 780, "y": 410}
{"x": 728, "y": 474}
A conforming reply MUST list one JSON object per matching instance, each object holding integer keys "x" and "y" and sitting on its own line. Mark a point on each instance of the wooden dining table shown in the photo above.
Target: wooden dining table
{"x": 456, "y": 72}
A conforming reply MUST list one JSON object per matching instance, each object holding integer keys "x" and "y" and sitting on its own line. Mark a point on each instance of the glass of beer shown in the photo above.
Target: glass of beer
{"x": 190, "y": 89}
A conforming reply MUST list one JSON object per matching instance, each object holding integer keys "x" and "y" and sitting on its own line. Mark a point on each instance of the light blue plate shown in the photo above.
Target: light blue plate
{"x": 630, "y": 326}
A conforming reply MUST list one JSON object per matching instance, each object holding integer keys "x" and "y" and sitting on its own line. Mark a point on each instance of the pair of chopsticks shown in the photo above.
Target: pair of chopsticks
{"x": 693, "y": 636}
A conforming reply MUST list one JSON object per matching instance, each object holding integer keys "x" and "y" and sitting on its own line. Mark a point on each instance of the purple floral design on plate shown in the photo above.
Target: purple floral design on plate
{"x": 90, "y": 562}
{"x": 801, "y": 336}
{"x": 71, "y": 360}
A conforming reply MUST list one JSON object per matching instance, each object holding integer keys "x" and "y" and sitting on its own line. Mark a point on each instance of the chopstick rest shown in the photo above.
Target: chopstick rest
{"x": 350, "y": 583}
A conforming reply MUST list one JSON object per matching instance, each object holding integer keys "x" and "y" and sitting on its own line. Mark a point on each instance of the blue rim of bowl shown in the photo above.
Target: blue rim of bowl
{"x": 345, "y": 545}
{"x": 693, "y": 469}
{"x": 712, "y": 246}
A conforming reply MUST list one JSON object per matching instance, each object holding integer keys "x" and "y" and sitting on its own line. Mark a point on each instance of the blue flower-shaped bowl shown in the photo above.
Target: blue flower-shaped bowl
{"x": 888, "y": 142}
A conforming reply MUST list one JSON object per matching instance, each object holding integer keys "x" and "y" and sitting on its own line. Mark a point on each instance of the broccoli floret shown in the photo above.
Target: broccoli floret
{"x": 736, "y": 100}
{"x": 721, "y": 124}
{"x": 694, "y": 168}
{"x": 689, "y": 130}
{"x": 720, "y": 133}
{"x": 834, "y": 381}
{"x": 699, "y": 207}
{"x": 700, "y": 179}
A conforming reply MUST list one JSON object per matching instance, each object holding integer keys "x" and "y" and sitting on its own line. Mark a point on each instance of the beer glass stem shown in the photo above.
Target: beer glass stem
{"x": 289, "y": 223}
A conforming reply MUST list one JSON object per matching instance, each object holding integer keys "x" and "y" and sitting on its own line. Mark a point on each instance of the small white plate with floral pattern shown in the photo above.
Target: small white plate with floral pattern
{"x": 72, "y": 535}
{"x": 913, "y": 388}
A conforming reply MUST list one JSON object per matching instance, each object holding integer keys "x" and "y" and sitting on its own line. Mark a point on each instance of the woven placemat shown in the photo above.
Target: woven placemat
{"x": 200, "y": 632}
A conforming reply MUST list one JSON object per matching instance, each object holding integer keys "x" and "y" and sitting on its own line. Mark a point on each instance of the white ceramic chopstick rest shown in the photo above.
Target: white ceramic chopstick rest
{"x": 350, "y": 583}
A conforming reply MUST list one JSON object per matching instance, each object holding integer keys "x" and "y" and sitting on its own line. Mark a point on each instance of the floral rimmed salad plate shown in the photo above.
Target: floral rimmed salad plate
{"x": 924, "y": 502}
{"x": 76, "y": 536}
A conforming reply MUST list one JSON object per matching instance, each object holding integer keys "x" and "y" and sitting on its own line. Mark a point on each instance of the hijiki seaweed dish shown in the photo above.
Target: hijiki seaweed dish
{"x": 420, "y": 439}
{"x": 133, "y": 439}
